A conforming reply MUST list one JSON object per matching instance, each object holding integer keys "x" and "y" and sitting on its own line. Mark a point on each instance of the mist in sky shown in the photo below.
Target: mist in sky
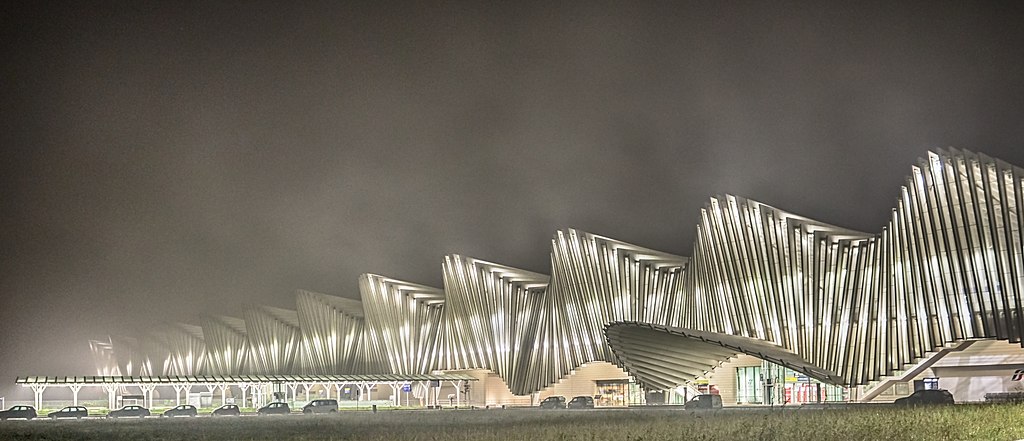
{"x": 161, "y": 160}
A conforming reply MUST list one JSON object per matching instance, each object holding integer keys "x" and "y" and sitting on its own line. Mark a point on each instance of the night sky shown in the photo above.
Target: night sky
{"x": 161, "y": 160}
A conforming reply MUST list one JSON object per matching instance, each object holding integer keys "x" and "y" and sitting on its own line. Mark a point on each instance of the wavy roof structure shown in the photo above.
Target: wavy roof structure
{"x": 948, "y": 267}
{"x": 842, "y": 306}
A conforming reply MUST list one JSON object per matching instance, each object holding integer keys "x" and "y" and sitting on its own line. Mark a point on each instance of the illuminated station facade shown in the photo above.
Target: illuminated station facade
{"x": 770, "y": 308}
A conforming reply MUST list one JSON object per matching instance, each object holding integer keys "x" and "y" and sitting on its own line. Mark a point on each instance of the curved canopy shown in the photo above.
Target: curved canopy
{"x": 663, "y": 357}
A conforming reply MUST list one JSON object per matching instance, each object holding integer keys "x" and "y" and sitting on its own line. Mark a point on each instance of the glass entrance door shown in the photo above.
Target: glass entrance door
{"x": 749, "y": 387}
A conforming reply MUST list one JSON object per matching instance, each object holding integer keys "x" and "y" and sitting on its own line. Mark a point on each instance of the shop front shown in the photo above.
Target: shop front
{"x": 618, "y": 393}
{"x": 771, "y": 384}
{"x": 612, "y": 393}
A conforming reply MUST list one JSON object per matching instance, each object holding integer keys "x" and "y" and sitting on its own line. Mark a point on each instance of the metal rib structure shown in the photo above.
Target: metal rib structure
{"x": 492, "y": 313}
{"x": 131, "y": 356}
{"x": 332, "y": 333}
{"x": 104, "y": 358}
{"x": 596, "y": 280}
{"x": 187, "y": 350}
{"x": 226, "y": 343}
{"x": 403, "y": 323}
{"x": 273, "y": 339}
{"x": 947, "y": 267}
{"x": 842, "y": 306}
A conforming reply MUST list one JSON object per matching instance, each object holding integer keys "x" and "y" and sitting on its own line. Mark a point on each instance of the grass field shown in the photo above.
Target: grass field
{"x": 961, "y": 422}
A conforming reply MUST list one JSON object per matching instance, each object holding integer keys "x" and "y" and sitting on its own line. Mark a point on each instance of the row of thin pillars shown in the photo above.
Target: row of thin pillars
{"x": 258, "y": 394}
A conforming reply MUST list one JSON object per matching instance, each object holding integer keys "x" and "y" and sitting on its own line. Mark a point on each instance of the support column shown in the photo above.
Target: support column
{"x": 147, "y": 394}
{"x": 307, "y": 386}
{"x": 178, "y": 388}
{"x": 74, "y": 393}
{"x": 257, "y": 395}
{"x": 223, "y": 393}
{"x": 368, "y": 387}
{"x": 394, "y": 393}
{"x": 111, "y": 395}
{"x": 294, "y": 387}
{"x": 359, "y": 393}
{"x": 337, "y": 389}
{"x": 458, "y": 393}
{"x": 209, "y": 388}
{"x": 38, "y": 389}
{"x": 243, "y": 387}
{"x": 327, "y": 390}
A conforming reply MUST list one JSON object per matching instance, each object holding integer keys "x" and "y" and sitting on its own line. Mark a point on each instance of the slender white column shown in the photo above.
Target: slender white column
{"x": 147, "y": 394}
{"x": 243, "y": 387}
{"x": 74, "y": 393}
{"x": 111, "y": 390}
{"x": 38, "y": 389}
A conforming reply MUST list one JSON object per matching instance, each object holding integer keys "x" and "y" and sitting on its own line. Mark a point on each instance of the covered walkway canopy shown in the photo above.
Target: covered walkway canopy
{"x": 663, "y": 357}
{"x": 257, "y": 383}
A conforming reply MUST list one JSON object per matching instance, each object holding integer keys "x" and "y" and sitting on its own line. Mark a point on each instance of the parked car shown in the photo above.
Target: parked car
{"x": 926, "y": 397}
{"x": 129, "y": 411}
{"x": 553, "y": 402}
{"x": 227, "y": 410}
{"x": 69, "y": 412}
{"x": 581, "y": 402}
{"x": 704, "y": 401}
{"x": 274, "y": 409}
{"x": 182, "y": 410}
{"x": 320, "y": 406}
{"x": 26, "y": 412}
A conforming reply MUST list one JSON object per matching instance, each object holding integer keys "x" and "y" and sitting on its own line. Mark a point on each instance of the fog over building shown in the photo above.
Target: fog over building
{"x": 169, "y": 164}
{"x": 763, "y": 289}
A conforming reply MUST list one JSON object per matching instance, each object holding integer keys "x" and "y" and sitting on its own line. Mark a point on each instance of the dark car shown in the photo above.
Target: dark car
{"x": 321, "y": 406}
{"x": 69, "y": 412}
{"x": 926, "y": 397}
{"x": 704, "y": 401}
{"x": 129, "y": 411}
{"x": 26, "y": 412}
{"x": 553, "y": 402}
{"x": 581, "y": 402}
{"x": 182, "y": 410}
{"x": 227, "y": 410}
{"x": 274, "y": 409}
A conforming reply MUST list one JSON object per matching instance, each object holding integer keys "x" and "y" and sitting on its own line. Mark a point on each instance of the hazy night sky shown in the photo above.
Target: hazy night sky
{"x": 160, "y": 160}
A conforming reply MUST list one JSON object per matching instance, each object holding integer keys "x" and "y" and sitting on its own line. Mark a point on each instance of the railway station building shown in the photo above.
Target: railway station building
{"x": 769, "y": 308}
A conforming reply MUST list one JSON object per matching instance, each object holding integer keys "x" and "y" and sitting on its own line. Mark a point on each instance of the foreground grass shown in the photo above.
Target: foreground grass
{"x": 962, "y": 422}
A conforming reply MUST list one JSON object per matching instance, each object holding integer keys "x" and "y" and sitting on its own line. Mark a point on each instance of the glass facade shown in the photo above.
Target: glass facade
{"x": 773, "y": 385}
{"x": 749, "y": 385}
{"x": 612, "y": 393}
